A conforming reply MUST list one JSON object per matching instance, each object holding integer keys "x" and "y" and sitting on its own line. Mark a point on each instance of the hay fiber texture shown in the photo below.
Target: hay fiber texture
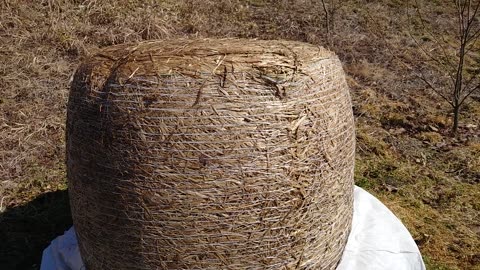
{"x": 211, "y": 154}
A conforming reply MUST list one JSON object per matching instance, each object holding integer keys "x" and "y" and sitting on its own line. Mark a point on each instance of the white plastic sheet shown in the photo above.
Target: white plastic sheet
{"x": 378, "y": 241}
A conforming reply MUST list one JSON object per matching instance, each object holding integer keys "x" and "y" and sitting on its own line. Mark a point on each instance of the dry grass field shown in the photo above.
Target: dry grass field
{"x": 405, "y": 154}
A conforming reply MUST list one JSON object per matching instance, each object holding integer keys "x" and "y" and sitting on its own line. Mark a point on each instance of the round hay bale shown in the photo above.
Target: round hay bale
{"x": 211, "y": 154}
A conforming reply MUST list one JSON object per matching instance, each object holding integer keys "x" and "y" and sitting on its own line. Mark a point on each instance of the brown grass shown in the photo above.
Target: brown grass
{"x": 42, "y": 42}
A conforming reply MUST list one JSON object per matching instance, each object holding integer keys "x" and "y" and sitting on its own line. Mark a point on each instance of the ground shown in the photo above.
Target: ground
{"x": 405, "y": 153}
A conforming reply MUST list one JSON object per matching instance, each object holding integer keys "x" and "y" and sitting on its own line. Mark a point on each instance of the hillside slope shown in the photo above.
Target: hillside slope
{"x": 405, "y": 155}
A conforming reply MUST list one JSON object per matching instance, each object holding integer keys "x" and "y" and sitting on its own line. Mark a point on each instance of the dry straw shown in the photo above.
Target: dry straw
{"x": 211, "y": 154}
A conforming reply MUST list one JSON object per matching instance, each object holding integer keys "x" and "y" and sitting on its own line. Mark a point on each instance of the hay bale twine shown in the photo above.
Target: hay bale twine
{"x": 211, "y": 154}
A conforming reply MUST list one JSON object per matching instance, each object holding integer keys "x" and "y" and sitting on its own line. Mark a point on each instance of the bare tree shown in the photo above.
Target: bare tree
{"x": 330, "y": 8}
{"x": 453, "y": 67}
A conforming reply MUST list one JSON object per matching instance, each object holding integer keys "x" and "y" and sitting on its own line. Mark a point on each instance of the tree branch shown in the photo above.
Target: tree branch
{"x": 433, "y": 88}
{"x": 469, "y": 93}
{"x": 425, "y": 28}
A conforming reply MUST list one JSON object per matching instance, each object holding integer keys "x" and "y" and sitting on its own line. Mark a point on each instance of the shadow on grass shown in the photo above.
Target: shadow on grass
{"x": 27, "y": 229}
